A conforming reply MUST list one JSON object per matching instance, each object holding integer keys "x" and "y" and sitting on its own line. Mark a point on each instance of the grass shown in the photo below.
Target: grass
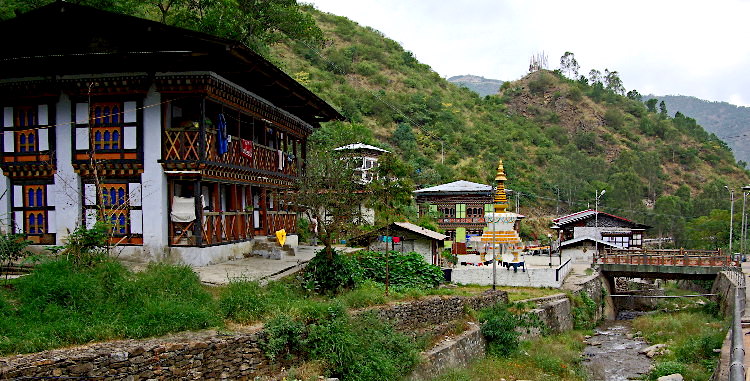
{"x": 60, "y": 304}
{"x": 691, "y": 329}
{"x": 549, "y": 358}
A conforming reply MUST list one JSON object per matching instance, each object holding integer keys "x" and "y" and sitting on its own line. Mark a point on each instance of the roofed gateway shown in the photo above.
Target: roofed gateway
{"x": 186, "y": 143}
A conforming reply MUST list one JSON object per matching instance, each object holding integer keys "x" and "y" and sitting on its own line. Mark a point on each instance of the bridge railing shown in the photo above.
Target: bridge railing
{"x": 674, "y": 257}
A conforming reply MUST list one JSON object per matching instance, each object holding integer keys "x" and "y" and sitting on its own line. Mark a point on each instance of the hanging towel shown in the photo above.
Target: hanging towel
{"x": 222, "y": 138}
{"x": 281, "y": 159}
{"x": 247, "y": 148}
{"x": 183, "y": 209}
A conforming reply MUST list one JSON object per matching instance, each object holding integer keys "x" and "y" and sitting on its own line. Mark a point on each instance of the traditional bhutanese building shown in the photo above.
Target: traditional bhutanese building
{"x": 460, "y": 206}
{"x": 188, "y": 144}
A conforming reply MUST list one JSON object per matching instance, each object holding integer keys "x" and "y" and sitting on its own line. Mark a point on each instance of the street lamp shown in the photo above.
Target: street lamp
{"x": 597, "y": 195}
{"x": 731, "y": 218}
{"x": 743, "y": 243}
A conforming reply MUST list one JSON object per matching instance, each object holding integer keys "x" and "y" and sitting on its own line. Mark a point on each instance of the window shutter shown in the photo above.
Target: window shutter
{"x": 9, "y": 141}
{"x": 460, "y": 210}
{"x": 43, "y": 138}
{"x": 89, "y": 194}
{"x": 51, "y": 222}
{"x": 82, "y": 138}
{"x": 460, "y": 234}
{"x": 18, "y": 196}
{"x": 136, "y": 221}
{"x": 489, "y": 208}
{"x": 8, "y": 117}
{"x": 42, "y": 115}
{"x": 130, "y": 113}
{"x": 51, "y": 194}
{"x": 18, "y": 223}
{"x": 129, "y": 137}
{"x": 82, "y": 113}
{"x": 433, "y": 208}
{"x": 134, "y": 194}
{"x": 90, "y": 218}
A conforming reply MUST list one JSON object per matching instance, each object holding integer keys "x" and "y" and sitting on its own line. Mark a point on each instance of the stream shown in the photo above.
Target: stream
{"x": 613, "y": 354}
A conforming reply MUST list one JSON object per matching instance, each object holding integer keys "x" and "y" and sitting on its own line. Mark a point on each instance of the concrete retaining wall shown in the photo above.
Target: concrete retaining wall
{"x": 530, "y": 278}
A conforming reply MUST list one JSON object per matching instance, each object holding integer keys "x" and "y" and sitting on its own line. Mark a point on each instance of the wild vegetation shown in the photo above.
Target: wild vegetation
{"x": 691, "y": 329}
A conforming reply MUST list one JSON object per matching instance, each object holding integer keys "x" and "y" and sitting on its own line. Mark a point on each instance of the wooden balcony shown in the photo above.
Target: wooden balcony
{"x": 229, "y": 227}
{"x": 184, "y": 146}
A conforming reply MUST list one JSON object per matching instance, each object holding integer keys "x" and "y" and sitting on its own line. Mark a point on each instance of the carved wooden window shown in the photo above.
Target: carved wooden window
{"x": 460, "y": 210}
{"x": 26, "y": 141}
{"x": 35, "y": 220}
{"x": 25, "y": 116}
{"x": 115, "y": 207}
{"x": 107, "y": 119}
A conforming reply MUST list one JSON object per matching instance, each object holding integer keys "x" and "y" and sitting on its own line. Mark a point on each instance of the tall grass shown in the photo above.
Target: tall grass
{"x": 691, "y": 335}
{"x": 549, "y": 358}
{"x": 61, "y": 304}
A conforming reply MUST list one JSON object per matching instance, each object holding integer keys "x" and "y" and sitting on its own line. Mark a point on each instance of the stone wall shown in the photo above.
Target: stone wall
{"x": 215, "y": 355}
{"x": 208, "y": 355}
{"x": 435, "y": 310}
{"x": 554, "y": 312}
{"x": 453, "y": 352}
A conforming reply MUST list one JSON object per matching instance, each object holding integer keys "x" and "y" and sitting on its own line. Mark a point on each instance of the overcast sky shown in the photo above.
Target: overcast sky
{"x": 697, "y": 48}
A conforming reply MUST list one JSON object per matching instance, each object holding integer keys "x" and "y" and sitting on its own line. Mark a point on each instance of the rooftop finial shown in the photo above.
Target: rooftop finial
{"x": 501, "y": 200}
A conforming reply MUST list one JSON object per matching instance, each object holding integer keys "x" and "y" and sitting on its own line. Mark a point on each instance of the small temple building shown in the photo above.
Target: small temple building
{"x": 581, "y": 233}
{"x": 187, "y": 144}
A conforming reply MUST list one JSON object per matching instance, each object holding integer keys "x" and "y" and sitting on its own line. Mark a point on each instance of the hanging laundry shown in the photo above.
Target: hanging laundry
{"x": 281, "y": 159}
{"x": 396, "y": 239}
{"x": 247, "y": 148}
{"x": 222, "y": 138}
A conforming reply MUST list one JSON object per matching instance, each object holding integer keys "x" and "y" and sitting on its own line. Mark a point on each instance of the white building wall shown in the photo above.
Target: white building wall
{"x": 153, "y": 183}
{"x": 67, "y": 186}
{"x": 421, "y": 246}
{"x": 5, "y": 203}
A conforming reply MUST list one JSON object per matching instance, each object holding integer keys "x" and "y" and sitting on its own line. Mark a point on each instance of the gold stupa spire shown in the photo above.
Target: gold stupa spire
{"x": 501, "y": 200}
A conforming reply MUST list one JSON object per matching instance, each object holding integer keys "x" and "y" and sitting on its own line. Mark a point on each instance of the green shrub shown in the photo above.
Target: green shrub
{"x": 330, "y": 273}
{"x": 541, "y": 83}
{"x": 584, "y": 311}
{"x": 367, "y": 293}
{"x": 243, "y": 301}
{"x": 360, "y": 348}
{"x": 666, "y": 368}
{"x": 502, "y": 327}
{"x": 405, "y": 270}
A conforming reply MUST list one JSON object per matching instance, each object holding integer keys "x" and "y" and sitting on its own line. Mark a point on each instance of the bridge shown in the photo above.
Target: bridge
{"x": 664, "y": 264}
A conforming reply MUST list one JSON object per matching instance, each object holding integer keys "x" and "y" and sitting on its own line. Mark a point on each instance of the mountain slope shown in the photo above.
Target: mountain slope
{"x": 480, "y": 85}
{"x": 560, "y": 140}
{"x": 727, "y": 121}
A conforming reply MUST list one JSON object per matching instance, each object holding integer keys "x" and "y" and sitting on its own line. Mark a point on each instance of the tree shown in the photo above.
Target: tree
{"x": 663, "y": 109}
{"x": 595, "y": 76}
{"x": 613, "y": 82}
{"x": 651, "y": 104}
{"x": 569, "y": 64}
{"x": 329, "y": 195}
{"x": 256, "y": 23}
{"x": 635, "y": 95}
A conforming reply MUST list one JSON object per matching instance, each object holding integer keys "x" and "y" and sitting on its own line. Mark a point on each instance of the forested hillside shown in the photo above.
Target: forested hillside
{"x": 727, "y": 121}
{"x": 561, "y": 140}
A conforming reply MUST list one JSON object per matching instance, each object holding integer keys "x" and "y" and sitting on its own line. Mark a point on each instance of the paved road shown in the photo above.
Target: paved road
{"x": 256, "y": 268}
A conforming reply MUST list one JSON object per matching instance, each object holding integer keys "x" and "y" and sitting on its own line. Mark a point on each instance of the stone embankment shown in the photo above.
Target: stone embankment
{"x": 213, "y": 355}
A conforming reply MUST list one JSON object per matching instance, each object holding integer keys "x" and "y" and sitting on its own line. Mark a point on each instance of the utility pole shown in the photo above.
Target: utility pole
{"x": 731, "y": 218}
{"x": 597, "y": 195}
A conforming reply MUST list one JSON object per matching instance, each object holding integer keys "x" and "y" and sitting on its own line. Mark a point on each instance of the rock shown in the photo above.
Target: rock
{"x": 671, "y": 377}
{"x": 654, "y": 350}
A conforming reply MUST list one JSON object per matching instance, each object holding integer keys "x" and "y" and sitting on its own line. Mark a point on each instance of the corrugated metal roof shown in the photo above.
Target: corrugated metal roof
{"x": 457, "y": 186}
{"x": 579, "y": 239}
{"x": 357, "y": 146}
{"x": 420, "y": 230}
{"x": 586, "y": 214}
